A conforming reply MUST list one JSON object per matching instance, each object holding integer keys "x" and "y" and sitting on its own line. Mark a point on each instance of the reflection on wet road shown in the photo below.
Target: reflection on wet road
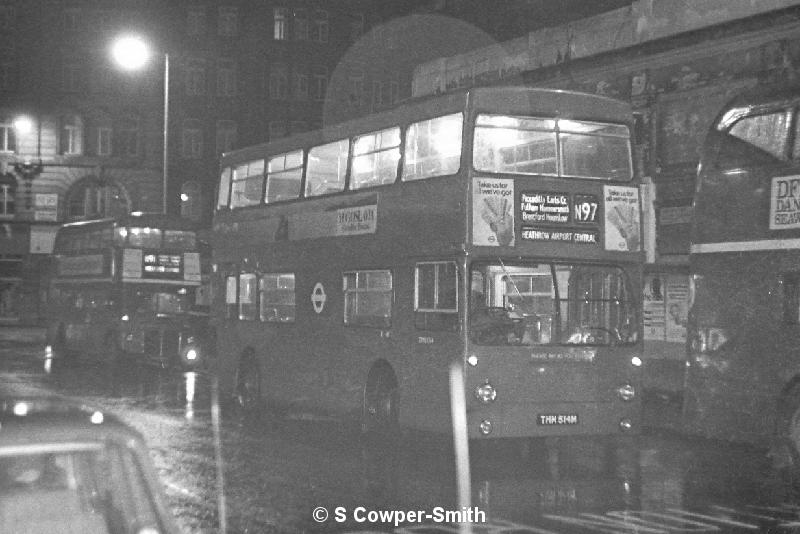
{"x": 280, "y": 471}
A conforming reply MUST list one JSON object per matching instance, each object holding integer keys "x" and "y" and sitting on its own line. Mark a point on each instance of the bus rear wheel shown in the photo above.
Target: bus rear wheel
{"x": 380, "y": 418}
{"x": 248, "y": 386}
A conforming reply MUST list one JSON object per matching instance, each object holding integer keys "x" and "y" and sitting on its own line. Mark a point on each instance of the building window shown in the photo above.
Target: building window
{"x": 196, "y": 22}
{"x": 191, "y": 201}
{"x": 226, "y": 78}
{"x": 280, "y": 31}
{"x": 195, "y": 78}
{"x": 127, "y": 142}
{"x": 192, "y": 139}
{"x": 230, "y": 297}
{"x": 104, "y": 147}
{"x": 394, "y": 92}
{"x": 321, "y": 28}
{"x": 278, "y": 81}
{"x": 7, "y": 194}
{"x": 368, "y": 298}
{"x": 8, "y": 138}
{"x": 356, "y": 84}
{"x": 277, "y": 129}
{"x": 356, "y": 26}
{"x": 226, "y": 136}
{"x": 320, "y": 84}
{"x": 7, "y": 18}
{"x": 377, "y": 95}
{"x": 71, "y": 20}
{"x": 72, "y": 135}
{"x": 8, "y": 76}
{"x": 228, "y": 21}
{"x": 102, "y": 79}
{"x": 277, "y": 297}
{"x": 91, "y": 198}
{"x": 70, "y": 77}
{"x": 247, "y": 297}
{"x": 300, "y": 25}
{"x": 301, "y": 85}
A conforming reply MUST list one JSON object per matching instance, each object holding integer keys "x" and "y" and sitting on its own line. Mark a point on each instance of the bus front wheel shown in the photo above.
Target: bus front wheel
{"x": 379, "y": 413}
{"x": 248, "y": 385}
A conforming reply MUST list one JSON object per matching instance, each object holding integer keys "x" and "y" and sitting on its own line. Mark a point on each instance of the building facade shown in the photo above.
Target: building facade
{"x": 80, "y": 138}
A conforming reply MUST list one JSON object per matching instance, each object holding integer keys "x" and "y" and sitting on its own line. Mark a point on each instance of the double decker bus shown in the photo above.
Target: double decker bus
{"x": 743, "y": 374}
{"x": 497, "y": 229}
{"x": 129, "y": 288}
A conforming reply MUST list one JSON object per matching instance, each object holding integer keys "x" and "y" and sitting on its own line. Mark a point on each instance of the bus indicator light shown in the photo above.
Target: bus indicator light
{"x": 472, "y": 360}
{"x": 485, "y": 427}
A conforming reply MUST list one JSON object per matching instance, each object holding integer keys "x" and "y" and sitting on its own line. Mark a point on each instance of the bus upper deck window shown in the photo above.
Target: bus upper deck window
{"x": 144, "y": 237}
{"x": 433, "y": 147}
{"x": 327, "y": 167}
{"x": 375, "y": 158}
{"x": 515, "y": 145}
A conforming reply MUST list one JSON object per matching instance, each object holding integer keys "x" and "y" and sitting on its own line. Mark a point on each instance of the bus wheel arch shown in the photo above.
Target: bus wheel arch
{"x": 379, "y": 414}
{"x": 248, "y": 382}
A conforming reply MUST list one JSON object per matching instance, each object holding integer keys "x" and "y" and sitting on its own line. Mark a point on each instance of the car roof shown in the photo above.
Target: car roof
{"x": 28, "y": 421}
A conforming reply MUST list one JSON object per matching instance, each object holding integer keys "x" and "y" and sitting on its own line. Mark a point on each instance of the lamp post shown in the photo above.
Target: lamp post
{"x": 131, "y": 53}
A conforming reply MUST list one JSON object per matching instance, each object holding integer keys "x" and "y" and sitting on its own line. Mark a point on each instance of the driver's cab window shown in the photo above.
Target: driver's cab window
{"x": 538, "y": 304}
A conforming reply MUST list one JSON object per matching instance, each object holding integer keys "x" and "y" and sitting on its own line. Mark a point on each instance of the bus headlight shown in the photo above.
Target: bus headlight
{"x": 626, "y": 392}
{"x": 485, "y": 393}
{"x": 191, "y": 354}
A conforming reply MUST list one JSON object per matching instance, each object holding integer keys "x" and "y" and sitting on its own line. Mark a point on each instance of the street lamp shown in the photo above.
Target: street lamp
{"x": 131, "y": 53}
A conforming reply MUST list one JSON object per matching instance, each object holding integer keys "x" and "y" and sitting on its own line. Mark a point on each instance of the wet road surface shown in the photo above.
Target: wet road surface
{"x": 282, "y": 473}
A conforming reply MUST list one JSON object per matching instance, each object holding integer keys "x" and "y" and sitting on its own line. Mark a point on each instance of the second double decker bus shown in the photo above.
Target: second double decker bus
{"x": 743, "y": 373}
{"x": 130, "y": 288}
{"x": 497, "y": 228}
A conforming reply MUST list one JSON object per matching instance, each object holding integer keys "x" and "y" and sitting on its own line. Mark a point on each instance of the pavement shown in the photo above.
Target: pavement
{"x": 23, "y": 334}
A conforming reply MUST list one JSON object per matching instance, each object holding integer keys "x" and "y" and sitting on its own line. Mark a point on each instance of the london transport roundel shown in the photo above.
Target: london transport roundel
{"x": 318, "y": 297}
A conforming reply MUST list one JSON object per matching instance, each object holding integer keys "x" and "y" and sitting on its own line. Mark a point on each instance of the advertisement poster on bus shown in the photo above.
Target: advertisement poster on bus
{"x": 784, "y": 203}
{"x": 622, "y": 220}
{"x": 492, "y": 212}
{"x": 665, "y": 307}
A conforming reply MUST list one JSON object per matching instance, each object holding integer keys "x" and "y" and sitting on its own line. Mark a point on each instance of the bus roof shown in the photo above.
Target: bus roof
{"x": 503, "y": 99}
{"x": 158, "y": 220}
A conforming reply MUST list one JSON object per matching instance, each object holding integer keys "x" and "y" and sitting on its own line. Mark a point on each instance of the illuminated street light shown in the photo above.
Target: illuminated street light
{"x": 131, "y": 52}
{"x": 23, "y": 125}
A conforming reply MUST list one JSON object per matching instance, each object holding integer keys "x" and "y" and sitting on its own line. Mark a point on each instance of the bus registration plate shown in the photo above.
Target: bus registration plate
{"x": 556, "y": 419}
